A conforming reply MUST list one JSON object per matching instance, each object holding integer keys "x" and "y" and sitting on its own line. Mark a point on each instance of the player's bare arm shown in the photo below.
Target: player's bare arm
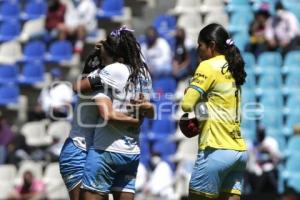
{"x": 107, "y": 112}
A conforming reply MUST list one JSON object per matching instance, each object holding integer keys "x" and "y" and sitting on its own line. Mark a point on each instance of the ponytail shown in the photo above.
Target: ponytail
{"x": 236, "y": 64}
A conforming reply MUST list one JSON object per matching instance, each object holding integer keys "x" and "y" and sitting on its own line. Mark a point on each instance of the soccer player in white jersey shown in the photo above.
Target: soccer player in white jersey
{"x": 112, "y": 160}
{"x": 86, "y": 116}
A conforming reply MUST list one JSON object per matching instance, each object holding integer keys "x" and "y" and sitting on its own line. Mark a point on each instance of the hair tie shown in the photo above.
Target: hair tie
{"x": 117, "y": 32}
{"x": 229, "y": 42}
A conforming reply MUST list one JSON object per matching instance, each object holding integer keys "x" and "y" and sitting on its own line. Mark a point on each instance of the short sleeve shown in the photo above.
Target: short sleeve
{"x": 114, "y": 79}
{"x": 203, "y": 78}
{"x": 115, "y": 76}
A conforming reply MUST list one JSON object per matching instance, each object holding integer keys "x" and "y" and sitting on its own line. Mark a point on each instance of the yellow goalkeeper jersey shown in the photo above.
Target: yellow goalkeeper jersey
{"x": 217, "y": 86}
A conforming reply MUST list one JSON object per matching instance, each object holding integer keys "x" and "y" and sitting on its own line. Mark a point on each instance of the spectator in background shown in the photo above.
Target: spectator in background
{"x": 157, "y": 178}
{"x": 181, "y": 59}
{"x": 55, "y": 100}
{"x": 282, "y": 30}
{"x": 18, "y": 150}
{"x": 79, "y": 22}
{"x": 157, "y": 53}
{"x": 6, "y": 135}
{"x": 31, "y": 188}
{"x": 264, "y": 156}
{"x": 257, "y": 30}
{"x": 55, "y": 16}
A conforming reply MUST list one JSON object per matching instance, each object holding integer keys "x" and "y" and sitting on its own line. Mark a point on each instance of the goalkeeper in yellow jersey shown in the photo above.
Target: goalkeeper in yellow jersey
{"x": 215, "y": 92}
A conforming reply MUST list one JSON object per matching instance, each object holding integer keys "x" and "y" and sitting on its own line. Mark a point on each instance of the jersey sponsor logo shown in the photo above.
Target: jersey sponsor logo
{"x": 235, "y": 134}
{"x": 131, "y": 142}
{"x": 200, "y": 75}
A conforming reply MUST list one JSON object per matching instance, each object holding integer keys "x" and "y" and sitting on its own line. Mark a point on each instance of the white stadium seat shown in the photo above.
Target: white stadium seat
{"x": 186, "y": 6}
{"x": 55, "y": 187}
{"x": 10, "y": 52}
{"x": 59, "y": 130}
{"x": 35, "y": 133}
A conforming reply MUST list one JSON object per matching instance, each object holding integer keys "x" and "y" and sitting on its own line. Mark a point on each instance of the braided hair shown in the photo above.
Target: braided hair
{"x": 121, "y": 43}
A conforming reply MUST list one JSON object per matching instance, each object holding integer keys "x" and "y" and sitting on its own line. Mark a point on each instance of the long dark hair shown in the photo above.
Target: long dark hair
{"x": 121, "y": 43}
{"x": 224, "y": 45}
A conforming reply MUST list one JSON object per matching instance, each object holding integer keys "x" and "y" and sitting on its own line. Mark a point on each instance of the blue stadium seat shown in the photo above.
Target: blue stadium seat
{"x": 272, "y": 99}
{"x": 9, "y": 10}
{"x": 291, "y": 62}
{"x": 269, "y": 60}
{"x": 293, "y": 118}
{"x": 293, "y": 102}
{"x": 249, "y": 60}
{"x": 237, "y": 5}
{"x": 162, "y": 128}
{"x": 239, "y": 21}
{"x": 145, "y": 127}
{"x": 34, "y": 51}
{"x": 248, "y": 134}
{"x": 165, "y": 108}
{"x": 110, "y": 8}
{"x": 249, "y": 106}
{"x": 238, "y": 2}
{"x": 164, "y": 85}
{"x": 164, "y": 147}
{"x": 60, "y": 51}
{"x": 241, "y": 39}
{"x": 239, "y": 8}
{"x": 9, "y": 94}
{"x": 164, "y": 23}
{"x": 293, "y": 146}
{"x": 32, "y": 73}
{"x": 8, "y": 74}
{"x": 250, "y": 79}
{"x": 270, "y": 78}
{"x": 34, "y": 9}
{"x": 292, "y": 167}
{"x": 248, "y": 128}
{"x": 9, "y": 30}
{"x": 248, "y": 96}
{"x": 292, "y": 82}
{"x": 145, "y": 151}
{"x": 272, "y": 119}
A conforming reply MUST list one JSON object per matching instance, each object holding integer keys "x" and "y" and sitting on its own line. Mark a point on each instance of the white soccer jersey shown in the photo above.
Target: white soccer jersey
{"x": 116, "y": 137}
{"x": 85, "y": 119}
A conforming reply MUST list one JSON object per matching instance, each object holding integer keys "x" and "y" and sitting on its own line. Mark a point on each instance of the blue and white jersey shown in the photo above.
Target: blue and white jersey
{"x": 85, "y": 119}
{"x": 117, "y": 137}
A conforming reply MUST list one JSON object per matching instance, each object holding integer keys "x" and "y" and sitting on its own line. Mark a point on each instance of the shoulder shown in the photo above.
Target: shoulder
{"x": 115, "y": 69}
{"x": 205, "y": 65}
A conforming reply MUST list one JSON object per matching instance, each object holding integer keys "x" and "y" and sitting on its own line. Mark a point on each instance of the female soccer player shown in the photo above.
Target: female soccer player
{"x": 85, "y": 120}
{"x": 221, "y": 161}
{"x": 113, "y": 159}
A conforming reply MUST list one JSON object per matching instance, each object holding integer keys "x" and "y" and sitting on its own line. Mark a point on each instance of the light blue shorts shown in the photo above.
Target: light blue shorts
{"x": 107, "y": 171}
{"x": 71, "y": 163}
{"x": 218, "y": 171}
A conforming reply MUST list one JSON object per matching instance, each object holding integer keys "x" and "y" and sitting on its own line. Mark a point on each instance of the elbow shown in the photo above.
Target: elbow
{"x": 186, "y": 107}
{"x": 107, "y": 116}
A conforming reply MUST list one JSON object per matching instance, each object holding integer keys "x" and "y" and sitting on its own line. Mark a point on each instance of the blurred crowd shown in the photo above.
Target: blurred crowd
{"x": 167, "y": 157}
